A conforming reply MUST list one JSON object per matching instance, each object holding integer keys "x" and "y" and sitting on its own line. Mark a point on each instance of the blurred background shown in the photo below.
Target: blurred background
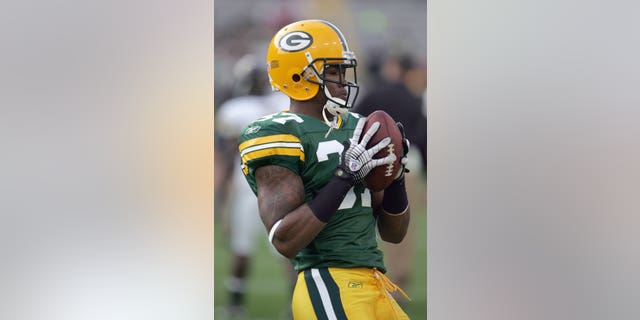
{"x": 107, "y": 164}
{"x": 251, "y": 280}
{"x": 106, "y": 160}
{"x": 533, "y": 160}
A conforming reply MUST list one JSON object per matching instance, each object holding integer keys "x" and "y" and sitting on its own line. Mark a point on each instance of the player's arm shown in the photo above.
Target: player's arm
{"x": 290, "y": 222}
{"x": 391, "y": 206}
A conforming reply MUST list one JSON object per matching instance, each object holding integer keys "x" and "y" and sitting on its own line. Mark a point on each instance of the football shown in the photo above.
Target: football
{"x": 381, "y": 177}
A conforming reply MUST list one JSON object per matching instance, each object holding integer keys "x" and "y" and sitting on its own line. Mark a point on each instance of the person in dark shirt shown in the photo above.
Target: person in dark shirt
{"x": 391, "y": 94}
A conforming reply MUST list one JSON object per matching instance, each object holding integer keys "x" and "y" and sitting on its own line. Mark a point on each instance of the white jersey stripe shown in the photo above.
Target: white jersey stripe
{"x": 272, "y": 145}
{"x": 324, "y": 294}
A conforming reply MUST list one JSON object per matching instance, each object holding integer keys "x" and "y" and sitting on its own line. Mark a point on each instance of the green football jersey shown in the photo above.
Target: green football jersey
{"x": 300, "y": 143}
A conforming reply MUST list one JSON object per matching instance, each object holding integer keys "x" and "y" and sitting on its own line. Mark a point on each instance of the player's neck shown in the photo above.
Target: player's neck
{"x": 310, "y": 108}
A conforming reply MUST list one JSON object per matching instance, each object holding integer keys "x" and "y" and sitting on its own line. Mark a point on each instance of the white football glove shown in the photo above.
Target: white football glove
{"x": 356, "y": 161}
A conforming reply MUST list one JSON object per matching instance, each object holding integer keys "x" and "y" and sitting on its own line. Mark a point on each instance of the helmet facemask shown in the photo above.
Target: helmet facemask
{"x": 336, "y": 106}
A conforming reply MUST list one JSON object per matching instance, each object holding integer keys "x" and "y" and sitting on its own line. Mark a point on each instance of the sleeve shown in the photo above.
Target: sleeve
{"x": 263, "y": 144}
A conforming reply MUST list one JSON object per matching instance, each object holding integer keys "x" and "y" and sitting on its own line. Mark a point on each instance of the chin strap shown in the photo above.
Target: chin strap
{"x": 333, "y": 124}
{"x": 334, "y": 106}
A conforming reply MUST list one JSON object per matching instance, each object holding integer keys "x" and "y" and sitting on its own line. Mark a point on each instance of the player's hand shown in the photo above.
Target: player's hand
{"x": 405, "y": 150}
{"x": 356, "y": 160}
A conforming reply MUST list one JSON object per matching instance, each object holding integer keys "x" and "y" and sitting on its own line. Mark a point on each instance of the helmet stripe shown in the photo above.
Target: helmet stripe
{"x": 345, "y": 47}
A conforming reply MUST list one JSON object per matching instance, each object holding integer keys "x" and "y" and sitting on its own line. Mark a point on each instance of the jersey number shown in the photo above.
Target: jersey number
{"x": 282, "y": 118}
{"x": 325, "y": 148}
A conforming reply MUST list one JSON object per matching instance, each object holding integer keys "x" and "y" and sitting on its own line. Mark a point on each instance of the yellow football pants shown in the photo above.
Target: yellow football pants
{"x": 341, "y": 293}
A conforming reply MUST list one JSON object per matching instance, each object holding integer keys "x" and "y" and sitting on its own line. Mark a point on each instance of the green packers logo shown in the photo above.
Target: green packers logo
{"x": 295, "y": 41}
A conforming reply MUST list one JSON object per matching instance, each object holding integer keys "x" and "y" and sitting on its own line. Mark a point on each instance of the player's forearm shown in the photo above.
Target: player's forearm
{"x": 393, "y": 228}
{"x": 296, "y": 230}
{"x": 300, "y": 226}
{"x": 304, "y": 223}
{"x": 393, "y": 220}
{"x": 281, "y": 201}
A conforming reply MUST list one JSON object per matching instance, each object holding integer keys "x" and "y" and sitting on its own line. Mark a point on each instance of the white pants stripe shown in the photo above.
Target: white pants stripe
{"x": 324, "y": 294}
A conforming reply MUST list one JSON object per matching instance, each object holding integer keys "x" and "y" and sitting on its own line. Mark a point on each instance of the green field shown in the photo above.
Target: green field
{"x": 268, "y": 295}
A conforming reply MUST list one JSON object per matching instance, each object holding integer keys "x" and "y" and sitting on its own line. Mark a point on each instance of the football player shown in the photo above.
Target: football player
{"x": 307, "y": 166}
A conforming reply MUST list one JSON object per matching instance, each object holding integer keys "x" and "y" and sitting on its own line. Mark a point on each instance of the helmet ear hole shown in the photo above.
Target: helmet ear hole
{"x": 295, "y": 77}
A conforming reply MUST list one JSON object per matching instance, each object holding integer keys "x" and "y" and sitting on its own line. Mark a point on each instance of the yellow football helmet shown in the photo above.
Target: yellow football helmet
{"x": 298, "y": 55}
